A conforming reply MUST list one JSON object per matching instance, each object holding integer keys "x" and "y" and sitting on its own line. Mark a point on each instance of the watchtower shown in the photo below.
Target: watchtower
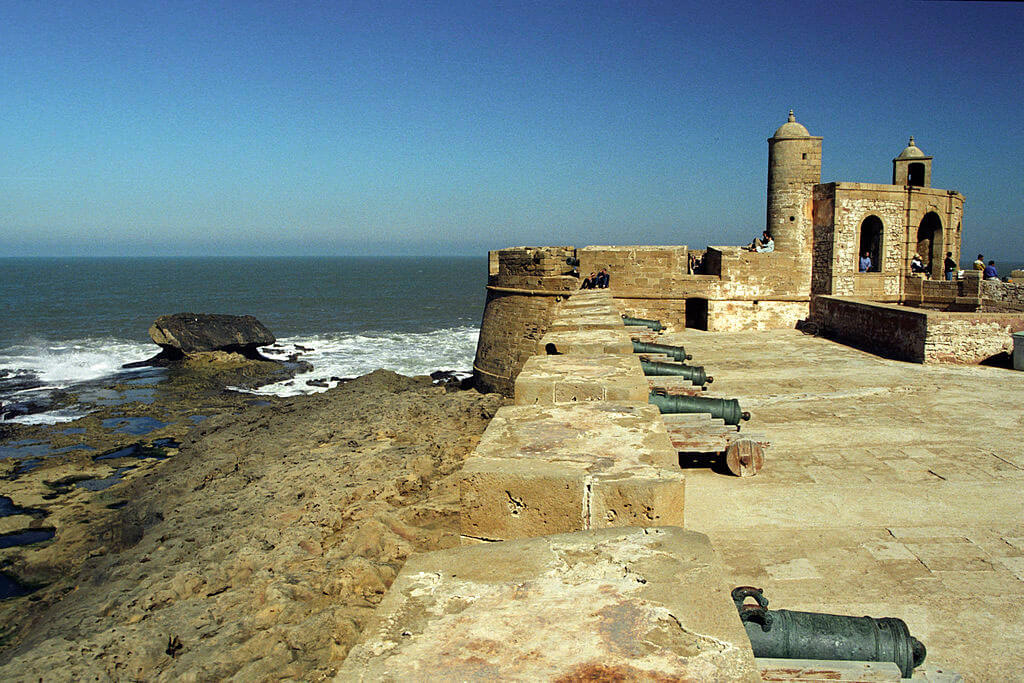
{"x": 912, "y": 167}
{"x": 794, "y": 168}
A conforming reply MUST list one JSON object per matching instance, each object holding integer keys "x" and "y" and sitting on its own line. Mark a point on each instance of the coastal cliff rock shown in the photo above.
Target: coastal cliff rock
{"x": 188, "y": 333}
{"x": 259, "y": 550}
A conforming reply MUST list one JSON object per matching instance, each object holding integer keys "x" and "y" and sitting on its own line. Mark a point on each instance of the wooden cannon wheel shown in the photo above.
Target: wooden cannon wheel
{"x": 744, "y": 457}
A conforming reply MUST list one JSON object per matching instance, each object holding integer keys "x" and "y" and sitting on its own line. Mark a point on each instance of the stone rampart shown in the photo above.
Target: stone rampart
{"x": 524, "y": 287}
{"x": 620, "y": 591}
{"x": 609, "y": 604}
{"x": 1002, "y": 297}
{"x": 917, "y": 334}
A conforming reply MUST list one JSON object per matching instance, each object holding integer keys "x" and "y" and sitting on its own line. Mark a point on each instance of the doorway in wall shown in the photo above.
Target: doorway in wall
{"x": 697, "y": 313}
{"x": 929, "y": 243}
{"x": 871, "y": 242}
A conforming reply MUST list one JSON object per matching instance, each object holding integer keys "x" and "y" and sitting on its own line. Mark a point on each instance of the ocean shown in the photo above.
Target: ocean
{"x": 66, "y": 321}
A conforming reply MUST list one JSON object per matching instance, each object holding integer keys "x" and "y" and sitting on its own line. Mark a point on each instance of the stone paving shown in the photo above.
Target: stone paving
{"x": 891, "y": 489}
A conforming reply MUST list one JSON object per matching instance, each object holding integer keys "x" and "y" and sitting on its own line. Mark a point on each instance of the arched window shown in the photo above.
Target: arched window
{"x": 870, "y": 243}
{"x": 915, "y": 174}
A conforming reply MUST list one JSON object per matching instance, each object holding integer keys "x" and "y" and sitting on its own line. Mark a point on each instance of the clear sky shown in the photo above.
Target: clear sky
{"x": 260, "y": 128}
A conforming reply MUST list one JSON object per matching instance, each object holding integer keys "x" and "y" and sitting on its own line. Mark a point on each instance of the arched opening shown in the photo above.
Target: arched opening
{"x": 929, "y": 243}
{"x": 870, "y": 244}
{"x": 915, "y": 174}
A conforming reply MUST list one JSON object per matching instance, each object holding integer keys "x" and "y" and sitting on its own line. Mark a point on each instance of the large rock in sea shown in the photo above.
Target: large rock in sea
{"x": 183, "y": 334}
{"x": 207, "y": 349}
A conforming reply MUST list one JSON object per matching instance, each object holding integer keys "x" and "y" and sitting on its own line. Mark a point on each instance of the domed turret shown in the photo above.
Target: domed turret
{"x": 791, "y": 129}
{"x": 911, "y": 151}
{"x": 912, "y": 167}
{"x": 794, "y": 168}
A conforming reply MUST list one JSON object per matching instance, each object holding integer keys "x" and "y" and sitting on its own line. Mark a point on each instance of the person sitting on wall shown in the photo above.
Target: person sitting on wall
{"x": 602, "y": 278}
{"x": 759, "y": 243}
{"x": 589, "y": 282}
{"x": 917, "y": 265}
{"x": 979, "y": 263}
{"x": 766, "y": 246}
{"x": 865, "y": 262}
{"x": 949, "y": 266}
{"x": 990, "y": 271}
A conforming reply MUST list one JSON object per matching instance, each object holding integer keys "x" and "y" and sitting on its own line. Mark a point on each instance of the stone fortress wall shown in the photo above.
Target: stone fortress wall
{"x": 820, "y": 231}
{"x": 575, "y": 564}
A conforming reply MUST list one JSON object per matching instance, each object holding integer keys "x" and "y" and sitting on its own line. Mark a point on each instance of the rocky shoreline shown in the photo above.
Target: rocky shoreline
{"x": 236, "y": 536}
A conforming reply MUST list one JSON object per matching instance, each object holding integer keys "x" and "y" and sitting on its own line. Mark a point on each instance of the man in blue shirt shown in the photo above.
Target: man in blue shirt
{"x": 865, "y": 262}
{"x": 990, "y": 271}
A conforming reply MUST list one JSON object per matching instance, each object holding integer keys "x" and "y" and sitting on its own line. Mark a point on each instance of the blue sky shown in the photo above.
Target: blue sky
{"x": 260, "y": 128}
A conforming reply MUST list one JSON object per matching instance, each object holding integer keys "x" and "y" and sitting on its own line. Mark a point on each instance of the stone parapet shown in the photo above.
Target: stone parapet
{"x": 609, "y": 604}
{"x": 575, "y": 378}
{"x": 589, "y": 343}
{"x": 585, "y": 320}
{"x": 917, "y": 334}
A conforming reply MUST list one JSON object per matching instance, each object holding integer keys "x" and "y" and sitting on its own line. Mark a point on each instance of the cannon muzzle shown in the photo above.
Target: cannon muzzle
{"x": 727, "y": 409}
{"x": 815, "y": 635}
{"x": 653, "y": 324}
{"x": 675, "y": 352}
{"x": 694, "y": 373}
{"x": 572, "y": 261}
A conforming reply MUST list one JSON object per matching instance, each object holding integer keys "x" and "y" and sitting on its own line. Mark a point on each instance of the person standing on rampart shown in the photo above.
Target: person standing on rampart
{"x": 979, "y": 263}
{"x": 949, "y": 266}
{"x": 865, "y": 262}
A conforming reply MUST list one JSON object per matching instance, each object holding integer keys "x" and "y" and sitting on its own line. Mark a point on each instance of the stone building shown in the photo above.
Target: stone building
{"x": 819, "y": 230}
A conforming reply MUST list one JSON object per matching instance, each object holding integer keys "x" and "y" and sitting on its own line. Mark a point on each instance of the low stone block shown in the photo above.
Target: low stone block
{"x": 577, "y": 378}
{"x": 504, "y": 498}
{"x": 610, "y": 604}
{"x": 622, "y": 432}
{"x": 590, "y": 343}
{"x": 587, "y": 321}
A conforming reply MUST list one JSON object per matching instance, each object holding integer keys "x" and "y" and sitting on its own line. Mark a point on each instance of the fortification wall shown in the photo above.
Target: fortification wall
{"x": 738, "y": 290}
{"x": 916, "y": 334}
{"x": 745, "y": 316}
{"x": 888, "y": 330}
{"x": 524, "y": 287}
{"x": 999, "y": 296}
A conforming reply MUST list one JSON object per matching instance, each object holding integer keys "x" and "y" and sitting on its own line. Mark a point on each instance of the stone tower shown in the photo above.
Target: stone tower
{"x": 912, "y": 167}
{"x": 794, "y": 168}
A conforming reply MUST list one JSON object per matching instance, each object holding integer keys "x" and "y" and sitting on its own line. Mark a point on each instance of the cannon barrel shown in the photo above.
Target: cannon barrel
{"x": 676, "y": 352}
{"x": 572, "y": 261}
{"x": 694, "y": 373}
{"x": 653, "y": 324}
{"x": 727, "y": 409}
{"x": 787, "y": 634}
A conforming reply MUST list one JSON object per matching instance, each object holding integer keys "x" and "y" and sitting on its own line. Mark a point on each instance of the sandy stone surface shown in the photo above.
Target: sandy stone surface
{"x": 890, "y": 489}
{"x": 259, "y": 549}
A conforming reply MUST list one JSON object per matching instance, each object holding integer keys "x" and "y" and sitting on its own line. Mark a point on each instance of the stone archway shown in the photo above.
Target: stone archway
{"x": 930, "y": 243}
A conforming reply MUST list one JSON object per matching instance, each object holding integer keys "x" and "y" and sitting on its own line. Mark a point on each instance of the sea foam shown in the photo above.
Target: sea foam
{"x": 347, "y": 355}
{"x": 62, "y": 364}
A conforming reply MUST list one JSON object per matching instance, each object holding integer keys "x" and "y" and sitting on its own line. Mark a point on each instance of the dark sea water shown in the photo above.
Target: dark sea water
{"x": 66, "y": 320}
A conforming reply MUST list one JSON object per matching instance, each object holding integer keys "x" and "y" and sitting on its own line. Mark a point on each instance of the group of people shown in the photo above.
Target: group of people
{"x": 598, "y": 280}
{"x": 950, "y": 267}
{"x": 762, "y": 244}
{"x": 988, "y": 272}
